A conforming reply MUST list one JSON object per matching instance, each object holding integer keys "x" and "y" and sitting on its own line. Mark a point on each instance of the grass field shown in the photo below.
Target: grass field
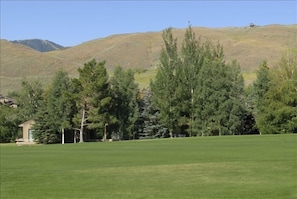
{"x": 235, "y": 167}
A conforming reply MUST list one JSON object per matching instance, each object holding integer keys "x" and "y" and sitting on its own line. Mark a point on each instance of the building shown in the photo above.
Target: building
{"x": 27, "y": 133}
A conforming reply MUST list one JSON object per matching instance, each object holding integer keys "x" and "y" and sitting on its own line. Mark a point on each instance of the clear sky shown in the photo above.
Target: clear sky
{"x": 70, "y": 23}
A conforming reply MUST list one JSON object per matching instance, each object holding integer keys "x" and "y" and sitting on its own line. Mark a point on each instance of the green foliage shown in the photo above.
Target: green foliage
{"x": 276, "y": 110}
{"x": 149, "y": 124}
{"x": 28, "y": 98}
{"x": 92, "y": 96}
{"x": 9, "y": 122}
{"x": 56, "y": 112}
{"x": 125, "y": 93}
{"x": 197, "y": 90}
{"x": 165, "y": 84}
{"x": 219, "y": 98}
{"x": 261, "y": 84}
{"x": 187, "y": 77}
{"x": 100, "y": 113}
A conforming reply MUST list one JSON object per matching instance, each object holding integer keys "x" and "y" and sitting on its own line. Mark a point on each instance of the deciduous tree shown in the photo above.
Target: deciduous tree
{"x": 29, "y": 98}
{"x": 277, "y": 99}
{"x": 125, "y": 93}
{"x": 165, "y": 84}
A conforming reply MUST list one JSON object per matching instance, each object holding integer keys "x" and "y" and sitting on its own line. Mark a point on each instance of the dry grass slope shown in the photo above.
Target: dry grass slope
{"x": 249, "y": 46}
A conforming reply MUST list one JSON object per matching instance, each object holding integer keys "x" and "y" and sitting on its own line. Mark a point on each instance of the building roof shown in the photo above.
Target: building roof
{"x": 27, "y": 122}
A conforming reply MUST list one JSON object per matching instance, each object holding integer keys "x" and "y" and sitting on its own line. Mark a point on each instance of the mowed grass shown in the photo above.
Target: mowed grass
{"x": 143, "y": 79}
{"x": 203, "y": 167}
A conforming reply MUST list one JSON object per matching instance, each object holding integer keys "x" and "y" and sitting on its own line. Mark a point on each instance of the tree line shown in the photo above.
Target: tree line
{"x": 195, "y": 93}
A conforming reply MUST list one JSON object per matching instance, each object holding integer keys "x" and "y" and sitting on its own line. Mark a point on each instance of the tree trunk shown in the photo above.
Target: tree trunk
{"x": 63, "y": 136}
{"x": 191, "y": 111}
{"x": 105, "y": 132}
{"x": 82, "y": 126}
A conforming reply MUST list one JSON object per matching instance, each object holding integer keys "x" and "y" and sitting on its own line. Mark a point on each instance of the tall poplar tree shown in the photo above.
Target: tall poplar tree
{"x": 260, "y": 87}
{"x": 165, "y": 84}
{"x": 193, "y": 54}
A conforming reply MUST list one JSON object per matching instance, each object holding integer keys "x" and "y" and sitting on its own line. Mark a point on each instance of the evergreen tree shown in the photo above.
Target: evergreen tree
{"x": 126, "y": 110}
{"x": 149, "y": 118}
{"x": 92, "y": 94}
{"x": 56, "y": 113}
{"x": 43, "y": 132}
{"x": 165, "y": 84}
{"x": 101, "y": 104}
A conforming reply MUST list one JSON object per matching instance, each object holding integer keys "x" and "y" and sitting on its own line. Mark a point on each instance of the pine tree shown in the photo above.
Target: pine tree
{"x": 101, "y": 105}
{"x": 92, "y": 94}
{"x": 56, "y": 114}
{"x": 149, "y": 118}
{"x": 43, "y": 132}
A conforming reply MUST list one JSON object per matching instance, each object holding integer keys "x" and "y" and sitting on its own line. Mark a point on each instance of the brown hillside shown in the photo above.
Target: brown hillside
{"x": 19, "y": 61}
{"x": 129, "y": 50}
{"x": 141, "y": 50}
{"x": 248, "y": 45}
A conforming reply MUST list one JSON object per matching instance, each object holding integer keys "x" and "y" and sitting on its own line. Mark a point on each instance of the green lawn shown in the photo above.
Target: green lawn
{"x": 228, "y": 167}
{"x": 143, "y": 78}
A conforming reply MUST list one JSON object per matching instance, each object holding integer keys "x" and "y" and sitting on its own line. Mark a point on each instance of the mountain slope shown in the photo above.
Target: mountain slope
{"x": 249, "y": 46}
{"x": 39, "y": 45}
{"x": 19, "y": 61}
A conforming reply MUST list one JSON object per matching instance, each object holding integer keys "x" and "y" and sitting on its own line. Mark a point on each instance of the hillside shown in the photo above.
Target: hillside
{"x": 141, "y": 51}
{"x": 39, "y": 45}
{"x": 248, "y": 45}
{"x": 19, "y": 61}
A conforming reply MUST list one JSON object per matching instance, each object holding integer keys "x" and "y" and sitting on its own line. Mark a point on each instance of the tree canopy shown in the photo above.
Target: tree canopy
{"x": 195, "y": 90}
{"x": 276, "y": 96}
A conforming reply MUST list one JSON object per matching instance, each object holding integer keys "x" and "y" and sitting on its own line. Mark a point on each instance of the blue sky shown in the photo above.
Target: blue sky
{"x": 70, "y": 23}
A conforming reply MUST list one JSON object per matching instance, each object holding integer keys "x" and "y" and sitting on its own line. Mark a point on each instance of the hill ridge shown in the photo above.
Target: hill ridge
{"x": 249, "y": 46}
{"x": 39, "y": 44}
